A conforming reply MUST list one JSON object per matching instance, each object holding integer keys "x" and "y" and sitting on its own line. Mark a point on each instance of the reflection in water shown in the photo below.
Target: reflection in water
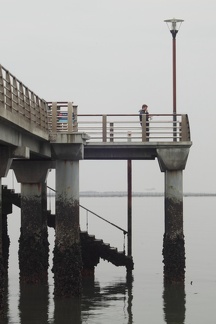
{"x": 33, "y": 304}
{"x": 96, "y": 298}
{"x": 174, "y": 303}
{"x": 4, "y": 317}
{"x": 130, "y": 296}
{"x": 67, "y": 310}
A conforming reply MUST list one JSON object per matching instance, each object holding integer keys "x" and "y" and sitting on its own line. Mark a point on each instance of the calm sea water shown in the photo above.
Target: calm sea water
{"x": 112, "y": 297}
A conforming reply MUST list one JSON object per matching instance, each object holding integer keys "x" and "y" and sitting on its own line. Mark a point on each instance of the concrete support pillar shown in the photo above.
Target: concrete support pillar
{"x": 2, "y": 272}
{"x": 67, "y": 262}
{"x": 33, "y": 242}
{"x": 67, "y": 253}
{"x": 173, "y": 245}
{"x": 5, "y": 163}
{"x": 172, "y": 161}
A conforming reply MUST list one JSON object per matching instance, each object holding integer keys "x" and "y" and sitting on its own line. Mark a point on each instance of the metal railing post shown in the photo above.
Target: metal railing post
{"x": 144, "y": 128}
{"x": 111, "y": 132}
{"x": 104, "y": 128}
{"x": 174, "y": 129}
{"x": 129, "y": 202}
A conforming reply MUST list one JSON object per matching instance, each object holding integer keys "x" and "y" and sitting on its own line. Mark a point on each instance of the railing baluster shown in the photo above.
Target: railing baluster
{"x": 111, "y": 132}
{"x": 2, "y": 97}
{"x": 21, "y": 99}
{"x": 15, "y": 100}
{"x": 144, "y": 138}
{"x": 32, "y": 107}
{"x": 54, "y": 117}
{"x": 8, "y": 92}
{"x": 27, "y": 104}
{"x": 104, "y": 128}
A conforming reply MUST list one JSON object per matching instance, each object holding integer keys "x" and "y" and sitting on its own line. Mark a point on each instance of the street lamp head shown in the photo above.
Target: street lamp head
{"x": 173, "y": 25}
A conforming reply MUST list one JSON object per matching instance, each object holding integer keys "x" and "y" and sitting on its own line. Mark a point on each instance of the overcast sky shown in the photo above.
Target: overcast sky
{"x": 113, "y": 56}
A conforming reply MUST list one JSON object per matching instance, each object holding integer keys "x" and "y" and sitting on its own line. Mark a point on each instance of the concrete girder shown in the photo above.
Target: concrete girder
{"x": 172, "y": 158}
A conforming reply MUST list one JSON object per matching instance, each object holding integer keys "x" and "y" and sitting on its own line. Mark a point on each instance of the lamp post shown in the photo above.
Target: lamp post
{"x": 174, "y": 26}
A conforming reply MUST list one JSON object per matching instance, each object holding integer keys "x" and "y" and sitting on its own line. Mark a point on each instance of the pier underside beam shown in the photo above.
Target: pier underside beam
{"x": 33, "y": 242}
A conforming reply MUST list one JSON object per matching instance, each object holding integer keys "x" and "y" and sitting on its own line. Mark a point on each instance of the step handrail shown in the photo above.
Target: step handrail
{"x": 105, "y": 220}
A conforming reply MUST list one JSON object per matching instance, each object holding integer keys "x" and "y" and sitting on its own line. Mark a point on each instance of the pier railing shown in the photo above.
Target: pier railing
{"x": 127, "y": 127}
{"x": 18, "y": 99}
{"x": 63, "y": 117}
{"x": 18, "y": 102}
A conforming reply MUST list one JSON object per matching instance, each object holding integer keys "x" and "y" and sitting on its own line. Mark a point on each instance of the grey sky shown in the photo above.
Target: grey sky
{"x": 113, "y": 56}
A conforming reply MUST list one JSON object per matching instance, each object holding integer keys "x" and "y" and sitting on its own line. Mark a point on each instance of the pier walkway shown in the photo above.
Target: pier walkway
{"x": 28, "y": 125}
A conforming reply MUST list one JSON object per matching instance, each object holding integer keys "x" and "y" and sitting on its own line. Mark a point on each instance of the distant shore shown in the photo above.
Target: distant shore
{"x": 135, "y": 194}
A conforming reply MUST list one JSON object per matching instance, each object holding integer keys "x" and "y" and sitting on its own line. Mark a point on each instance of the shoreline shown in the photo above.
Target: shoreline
{"x": 135, "y": 194}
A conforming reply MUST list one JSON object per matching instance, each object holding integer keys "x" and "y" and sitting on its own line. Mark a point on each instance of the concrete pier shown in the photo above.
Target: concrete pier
{"x": 67, "y": 261}
{"x": 172, "y": 162}
{"x": 173, "y": 244}
{"x": 5, "y": 163}
{"x": 67, "y": 253}
{"x": 2, "y": 272}
{"x": 33, "y": 242}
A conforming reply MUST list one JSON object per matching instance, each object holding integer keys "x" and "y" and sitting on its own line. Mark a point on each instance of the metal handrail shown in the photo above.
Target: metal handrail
{"x": 90, "y": 211}
{"x": 105, "y": 220}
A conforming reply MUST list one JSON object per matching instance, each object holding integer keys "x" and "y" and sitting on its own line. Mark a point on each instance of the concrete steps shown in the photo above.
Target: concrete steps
{"x": 105, "y": 251}
{"x": 93, "y": 249}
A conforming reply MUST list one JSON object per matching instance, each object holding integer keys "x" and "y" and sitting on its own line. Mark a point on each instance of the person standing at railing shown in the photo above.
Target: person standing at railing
{"x": 144, "y": 111}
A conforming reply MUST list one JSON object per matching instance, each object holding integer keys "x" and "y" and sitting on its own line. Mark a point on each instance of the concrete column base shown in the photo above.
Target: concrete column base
{"x": 33, "y": 242}
{"x": 173, "y": 246}
{"x": 33, "y": 258}
{"x": 67, "y": 266}
{"x": 174, "y": 259}
{"x": 2, "y": 285}
{"x": 2, "y": 270}
{"x": 67, "y": 261}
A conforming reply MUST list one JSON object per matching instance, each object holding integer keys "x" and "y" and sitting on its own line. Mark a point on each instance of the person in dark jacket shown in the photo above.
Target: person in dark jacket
{"x": 142, "y": 111}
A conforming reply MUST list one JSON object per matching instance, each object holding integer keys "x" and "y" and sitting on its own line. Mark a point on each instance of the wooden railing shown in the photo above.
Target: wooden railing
{"x": 127, "y": 127}
{"x": 118, "y": 127}
{"x": 62, "y": 117}
{"x": 16, "y": 98}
